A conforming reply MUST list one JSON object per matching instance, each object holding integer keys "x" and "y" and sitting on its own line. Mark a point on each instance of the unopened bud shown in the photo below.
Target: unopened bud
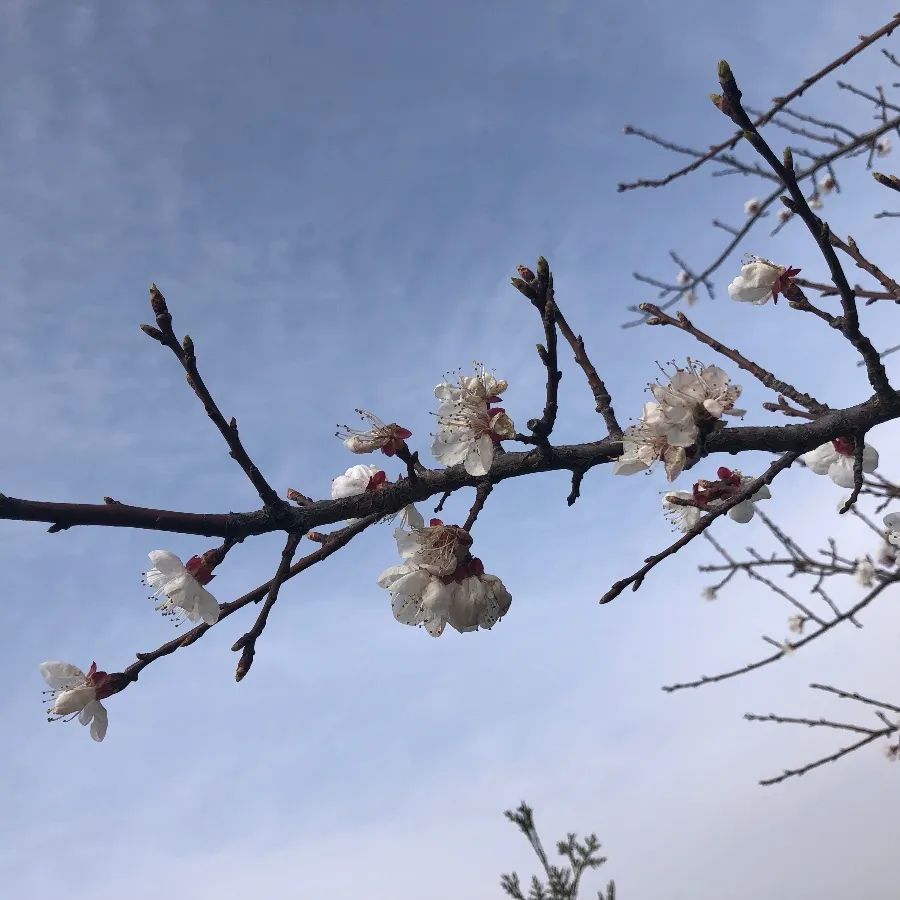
{"x": 243, "y": 666}
{"x": 150, "y": 331}
{"x": 157, "y": 301}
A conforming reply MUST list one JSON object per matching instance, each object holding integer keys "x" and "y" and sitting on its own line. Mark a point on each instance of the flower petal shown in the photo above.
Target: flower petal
{"x": 62, "y": 676}
{"x": 166, "y": 562}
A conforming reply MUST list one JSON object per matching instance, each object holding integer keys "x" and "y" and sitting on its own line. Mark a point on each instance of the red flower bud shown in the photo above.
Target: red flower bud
{"x": 525, "y": 273}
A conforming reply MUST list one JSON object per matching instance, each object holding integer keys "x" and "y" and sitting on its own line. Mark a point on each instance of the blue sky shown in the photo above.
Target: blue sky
{"x": 333, "y": 197}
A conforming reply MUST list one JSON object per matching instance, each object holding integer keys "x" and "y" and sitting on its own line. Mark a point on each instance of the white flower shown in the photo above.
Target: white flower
{"x": 469, "y": 428}
{"x": 751, "y": 207}
{"x": 827, "y": 184}
{"x": 483, "y": 385}
{"x": 437, "y": 549}
{"x": 710, "y": 593}
{"x": 662, "y": 434}
{"x": 706, "y": 387}
{"x": 815, "y": 202}
{"x": 883, "y": 145}
{"x": 708, "y": 495}
{"x": 892, "y": 528}
{"x": 684, "y": 518}
{"x": 796, "y": 623}
{"x": 835, "y": 459}
{"x": 691, "y": 297}
{"x": 784, "y": 214}
{"x": 186, "y": 598}
{"x": 682, "y": 279}
{"x": 74, "y": 693}
{"x": 864, "y": 572}
{"x": 892, "y": 752}
{"x": 743, "y": 512}
{"x": 786, "y": 648}
{"x": 356, "y": 480}
{"x": 386, "y": 438}
{"x": 478, "y": 601}
{"x": 440, "y": 582}
{"x": 411, "y": 518}
{"x": 760, "y": 281}
{"x": 417, "y": 598}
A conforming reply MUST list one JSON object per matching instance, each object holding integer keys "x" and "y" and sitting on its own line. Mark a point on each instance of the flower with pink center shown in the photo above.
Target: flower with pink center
{"x": 699, "y": 389}
{"x": 358, "y": 480}
{"x": 883, "y": 145}
{"x": 751, "y": 207}
{"x": 469, "y": 425}
{"x": 386, "y": 438}
{"x": 827, "y": 184}
{"x": 835, "y": 459}
{"x": 73, "y": 693}
{"x": 437, "y": 549}
{"x": 369, "y": 479}
{"x": 662, "y": 435}
{"x": 182, "y": 586}
{"x": 761, "y": 281}
{"x": 441, "y": 583}
{"x": 684, "y": 509}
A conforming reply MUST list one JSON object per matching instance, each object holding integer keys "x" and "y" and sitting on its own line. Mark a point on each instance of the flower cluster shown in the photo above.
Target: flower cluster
{"x": 835, "y": 459}
{"x": 761, "y": 281}
{"x": 470, "y": 426}
{"x": 440, "y": 582}
{"x": 73, "y": 693}
{"x": 684, "y": 509}
{"x": 695, "y": 395}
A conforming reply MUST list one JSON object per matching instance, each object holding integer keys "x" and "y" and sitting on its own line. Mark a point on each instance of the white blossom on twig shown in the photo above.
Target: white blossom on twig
{"x": 835, "y": 459}
{"x": 761, "y": 281}
{"x": 182, "y": 586}
{"x": 699, "y": 387}
{"x": 469, "y": 426}
{"x": 440, "y": 583}
{"x": 378, "y": 436}
{"x": 73, "y": 693}
{"x": 662, "y": 435}
{"x": 706, "y": 496}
